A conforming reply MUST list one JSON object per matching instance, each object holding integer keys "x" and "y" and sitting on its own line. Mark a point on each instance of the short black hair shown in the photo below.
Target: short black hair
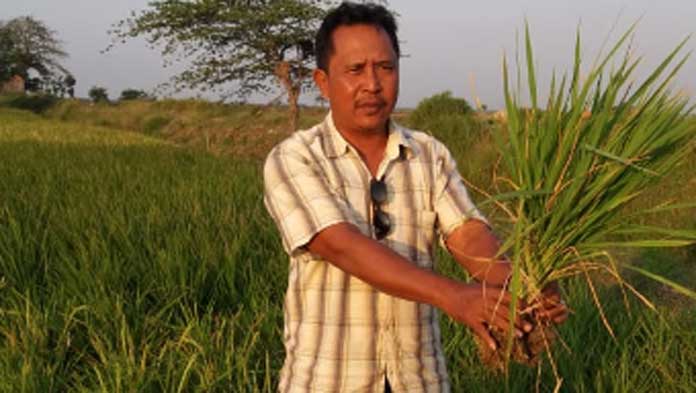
{"x": 348, "y": 14}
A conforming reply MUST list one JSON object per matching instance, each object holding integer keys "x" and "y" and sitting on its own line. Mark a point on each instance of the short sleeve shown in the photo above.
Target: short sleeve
{"x": 298, "y": 198}
{"x": 452, "y": 203}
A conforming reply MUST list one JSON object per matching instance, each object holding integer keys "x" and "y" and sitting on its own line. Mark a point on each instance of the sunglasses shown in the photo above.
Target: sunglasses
{"x": 380, "y": 219}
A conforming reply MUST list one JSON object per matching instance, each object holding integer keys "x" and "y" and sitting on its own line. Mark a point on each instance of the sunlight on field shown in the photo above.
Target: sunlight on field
{"x": 21, "y": 126}
{"x": 128, "y": 263}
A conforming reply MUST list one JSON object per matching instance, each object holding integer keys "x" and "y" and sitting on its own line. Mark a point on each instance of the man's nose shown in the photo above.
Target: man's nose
{"x": 372, "y": 81}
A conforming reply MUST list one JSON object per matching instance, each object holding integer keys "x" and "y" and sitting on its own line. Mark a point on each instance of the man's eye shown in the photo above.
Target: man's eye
{"x": 354, "y": 70}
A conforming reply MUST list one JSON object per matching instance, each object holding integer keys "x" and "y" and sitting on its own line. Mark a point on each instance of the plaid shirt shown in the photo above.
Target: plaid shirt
{"x": 340, "y": 333}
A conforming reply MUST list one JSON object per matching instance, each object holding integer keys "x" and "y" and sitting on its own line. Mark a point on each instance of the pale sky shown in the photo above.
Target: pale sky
{"x": 449, "y": 43}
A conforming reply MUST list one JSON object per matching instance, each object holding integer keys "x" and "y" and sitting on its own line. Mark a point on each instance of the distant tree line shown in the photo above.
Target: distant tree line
{"x": 99, "y": 94}
{"x": 257, "y": 44}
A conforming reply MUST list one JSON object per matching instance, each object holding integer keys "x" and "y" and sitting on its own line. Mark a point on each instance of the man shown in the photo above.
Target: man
{"x": 358, "y": 201}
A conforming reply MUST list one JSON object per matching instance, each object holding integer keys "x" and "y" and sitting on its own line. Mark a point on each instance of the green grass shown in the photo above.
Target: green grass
{"x": 242, "y": 130}
{"x": 126, "y": 261}
{"x": 129, "y": 263}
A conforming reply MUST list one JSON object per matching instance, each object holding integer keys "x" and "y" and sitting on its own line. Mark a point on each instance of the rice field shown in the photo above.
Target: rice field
{"x": 132, "y": 263}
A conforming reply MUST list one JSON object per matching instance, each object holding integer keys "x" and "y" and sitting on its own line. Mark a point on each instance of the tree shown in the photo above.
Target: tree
{"x": 70, "y": 82}
{"x": 134, "y": 94}
{"x": 98, "y": 94}
{"x": 6, "y": 68}
{"x": 443, "y": 104}
{"x": 256, "y": 43}
{"x": 27, "y": 48}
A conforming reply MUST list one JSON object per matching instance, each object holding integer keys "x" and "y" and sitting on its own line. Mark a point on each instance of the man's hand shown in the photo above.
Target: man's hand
{"x": 550, "y": 306}
{"x": 479, "y": 307}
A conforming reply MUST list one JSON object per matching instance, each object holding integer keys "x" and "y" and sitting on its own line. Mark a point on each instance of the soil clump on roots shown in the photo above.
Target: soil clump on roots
{"x": 527, "y": 350}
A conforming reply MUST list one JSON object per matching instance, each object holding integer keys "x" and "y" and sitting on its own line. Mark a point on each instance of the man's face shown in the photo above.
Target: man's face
{"x": 362, "y": 84}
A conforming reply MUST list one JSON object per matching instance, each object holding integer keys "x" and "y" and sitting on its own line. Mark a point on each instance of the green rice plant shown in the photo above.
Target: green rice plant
{"x": 131, "y": 264}
{"x": 570, "y": 168}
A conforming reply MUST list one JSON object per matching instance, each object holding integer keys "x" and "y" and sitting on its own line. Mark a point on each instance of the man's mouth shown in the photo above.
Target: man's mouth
{"x": 371, "y": 106}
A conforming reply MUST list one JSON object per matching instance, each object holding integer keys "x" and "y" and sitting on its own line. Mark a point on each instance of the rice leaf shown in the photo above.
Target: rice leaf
{"x": 613, "y": 157}
{"x": 530, "y": 67}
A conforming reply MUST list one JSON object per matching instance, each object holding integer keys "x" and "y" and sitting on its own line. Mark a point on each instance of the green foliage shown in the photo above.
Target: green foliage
{"x": 436, "y": 106}
{"x": 28, "y": 45}
{"x": 134, "y": 94}
{"x": 244, "y": 42}
{"x": 98, "y": 94}
{"x": 153, "y": 125}
{"x": 6, "y": 54}
{"x": 35, "y": 103}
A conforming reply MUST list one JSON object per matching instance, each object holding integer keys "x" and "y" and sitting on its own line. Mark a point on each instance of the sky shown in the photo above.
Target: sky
{"x": 454, "y": 45}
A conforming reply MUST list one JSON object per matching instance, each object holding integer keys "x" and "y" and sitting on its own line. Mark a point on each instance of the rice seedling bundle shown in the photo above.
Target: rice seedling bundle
{"x": 572, "y": 167}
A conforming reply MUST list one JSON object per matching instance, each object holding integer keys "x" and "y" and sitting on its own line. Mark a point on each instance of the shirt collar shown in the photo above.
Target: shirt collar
{"x": 400, "y": 140}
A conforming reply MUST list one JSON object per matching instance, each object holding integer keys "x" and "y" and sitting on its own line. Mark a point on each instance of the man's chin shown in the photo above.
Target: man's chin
{"x": 376, "y": 125}
{"x": 372, "y": 120}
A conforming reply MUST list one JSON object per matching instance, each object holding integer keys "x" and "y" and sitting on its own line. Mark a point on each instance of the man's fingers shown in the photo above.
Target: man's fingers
{"x": 499, "y": 301}
{"x": 551, "y": 301}
{"x": 496, "y": 296}
{"x": 500, "y": 317}
{"x": 560, "y": 318}
{"x": 504, "y": 326}
{"x": 483, "y": 333}
{"x": 557, "y": 313}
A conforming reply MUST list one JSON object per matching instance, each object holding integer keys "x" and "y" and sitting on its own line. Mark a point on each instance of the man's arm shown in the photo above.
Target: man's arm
{"x": 472, "y": 304}
{"x": 475, "y": 247}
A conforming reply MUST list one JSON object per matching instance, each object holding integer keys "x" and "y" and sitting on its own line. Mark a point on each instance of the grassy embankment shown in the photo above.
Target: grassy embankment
{"x": 133, "y": 263}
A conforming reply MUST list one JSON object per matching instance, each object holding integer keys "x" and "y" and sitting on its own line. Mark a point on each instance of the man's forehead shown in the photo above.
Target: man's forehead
{"x": 355, "y": 42}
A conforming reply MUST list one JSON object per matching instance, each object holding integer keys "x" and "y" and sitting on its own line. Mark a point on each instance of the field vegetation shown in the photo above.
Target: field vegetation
{"x": 136, "y": 255}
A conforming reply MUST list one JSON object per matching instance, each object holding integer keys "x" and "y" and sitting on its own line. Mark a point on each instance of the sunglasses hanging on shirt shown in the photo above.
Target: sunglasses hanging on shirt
{"x": 380, "y": 220}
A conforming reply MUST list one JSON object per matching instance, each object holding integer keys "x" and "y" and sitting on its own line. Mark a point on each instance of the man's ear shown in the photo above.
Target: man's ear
{"x": 321, "y": 79}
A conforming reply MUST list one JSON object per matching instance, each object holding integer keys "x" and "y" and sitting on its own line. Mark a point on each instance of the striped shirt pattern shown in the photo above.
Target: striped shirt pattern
{"x": 341, "y": 334}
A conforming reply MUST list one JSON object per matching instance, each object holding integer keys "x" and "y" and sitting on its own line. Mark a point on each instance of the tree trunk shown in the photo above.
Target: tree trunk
{"x": 294, "y": 108}
{"x": 282, "y": 72}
